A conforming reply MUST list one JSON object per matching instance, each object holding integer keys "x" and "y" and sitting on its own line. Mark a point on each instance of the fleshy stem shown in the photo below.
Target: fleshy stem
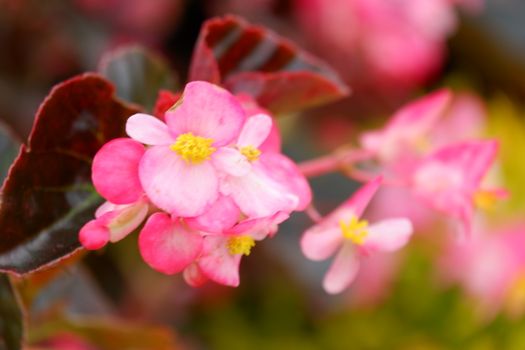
{"x": 340, "y": 160}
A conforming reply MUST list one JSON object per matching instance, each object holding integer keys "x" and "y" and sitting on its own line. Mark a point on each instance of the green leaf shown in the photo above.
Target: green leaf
{"x": 138, "y": 74}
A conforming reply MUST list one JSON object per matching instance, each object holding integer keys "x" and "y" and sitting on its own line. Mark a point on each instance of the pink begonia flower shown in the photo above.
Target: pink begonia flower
{"x": 491, "y": 267}
{"x": 115, "y": 177}
{"x": 112, "y": 223}
{"x": 262, "y": 184}
{"x": 343, "y": 231}
{"x": 221, "y": 254}
{"x": 406, "y": 132}
{"x": 180, "y": 171}
{"x": 449, "y": 180}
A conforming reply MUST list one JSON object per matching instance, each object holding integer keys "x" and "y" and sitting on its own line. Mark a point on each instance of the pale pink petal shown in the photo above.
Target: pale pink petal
{"x": 115, "y": 171}
{"x": 207, "y": 111}
{"x": 194, "y": 276}
{"x": 217, "y": 263}
{"x": 421, "y": 114}
{"x": 250, "y": 106}
{"x": 388, "y": 235}
{"x": 106, "y": 207}
{"x": 148, "y": 130}
{"x": 358, "y": 202}
{"x": 255, "y": 130}
{"x": 180, "y": 188}
{"x": 472, "y": 158}
{"x": 408, "y": 126}
{"x": 230, "y": 161}
{"x": 125, "y": 220}
{"x": 285, "y": 172}
{"x": 167, "y": 245}
{"x": 320, "y": 244}
{"x": 259, "y": 228}
{"x": 257, "y": 195}
{"x": 93, "y": 235}
{"x": 343, "y": 270}
{"x": 273, "y": 141}
{"x": 219, "y": 217}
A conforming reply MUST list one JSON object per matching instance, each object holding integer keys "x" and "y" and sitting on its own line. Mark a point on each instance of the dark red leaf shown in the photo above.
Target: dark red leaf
{"x": 255, "y": 60}
{"x": 11, "y": 317}
{"x": 48, "y": 195}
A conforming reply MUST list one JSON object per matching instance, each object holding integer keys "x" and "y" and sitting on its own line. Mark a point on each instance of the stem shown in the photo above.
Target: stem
{"x": 335, "y": 161}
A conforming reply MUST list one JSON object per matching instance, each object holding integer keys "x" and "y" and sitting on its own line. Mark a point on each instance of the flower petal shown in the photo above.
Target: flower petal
{"x": 93, "y": 235}
{"x": 167, "y": 246}
{"x": 125, "y": 220}
{"x": 255, "y": 130}
{"x": 230, "y": 161}
{"x": 388, "y": 235}
{"x": 148, "y": 130}
{"x": 207, "y": 111}
{"x": 342, "y": 271}
{"x": 115, "y": 171}
{"x": 285, "y": 172}
{"x": 217, "y": 263}
{"x": 356, "y": 204}
{"x": 318, "y": 244}
{"x": 257, "y": 195}
{"x": 219, "y": 217}
{"x": 194, "y": 276}
{"x": 178, "y": 187}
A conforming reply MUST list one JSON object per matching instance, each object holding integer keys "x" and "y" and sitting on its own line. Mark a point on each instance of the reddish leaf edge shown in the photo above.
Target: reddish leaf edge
{"x": 343, "y": 89}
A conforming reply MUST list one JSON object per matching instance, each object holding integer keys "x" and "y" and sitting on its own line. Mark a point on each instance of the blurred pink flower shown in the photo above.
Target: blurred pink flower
{"x": 389, "y": 44}
{"x": 491, "y": 267}
{"x": 449, "y": 180}
{"x": 342, "y": 231}
{"x": 405, "y": 136}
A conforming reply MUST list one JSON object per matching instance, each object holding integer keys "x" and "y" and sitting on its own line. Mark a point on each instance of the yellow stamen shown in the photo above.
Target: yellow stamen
{"x": 240, "y": 245}
{"x": 251, "y": 153}
{"x": 193, "y": 149}
{"x": 355, "y": 230}
{"x": 485, "y": 200}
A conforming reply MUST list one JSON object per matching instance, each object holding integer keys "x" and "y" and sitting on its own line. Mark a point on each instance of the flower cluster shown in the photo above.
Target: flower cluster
{"x": 209, "y": 178}
{"x": 443, "y": 170}
{"x": 391, "y": 45}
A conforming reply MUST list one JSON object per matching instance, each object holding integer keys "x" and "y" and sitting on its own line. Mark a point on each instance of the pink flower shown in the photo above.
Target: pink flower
{"x": 180, "y": 171}
{"x": 343, "y": 231}
{"x": 168, "y": 245}
{"x": 221, "y": 254}
{"x": 262, "y": 183}
{"x": 388, "y": 45}
{"x": 449, "y": 180}
{"x": 115, "y": 176}
{"x": 491, "y": 268}
{"x": 406, "y": 133}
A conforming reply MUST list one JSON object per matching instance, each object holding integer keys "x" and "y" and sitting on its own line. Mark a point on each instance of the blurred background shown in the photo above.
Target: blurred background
{"x": 433, "y": 294}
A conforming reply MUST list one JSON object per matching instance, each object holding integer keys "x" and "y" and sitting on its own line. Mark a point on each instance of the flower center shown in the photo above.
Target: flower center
{"x": 240, "y": 245}
{"x": 485, "y": 200}
{"x": 354, "y": 230}
{"x": 251, "y": 153}
{"x": 193, "y": 149}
